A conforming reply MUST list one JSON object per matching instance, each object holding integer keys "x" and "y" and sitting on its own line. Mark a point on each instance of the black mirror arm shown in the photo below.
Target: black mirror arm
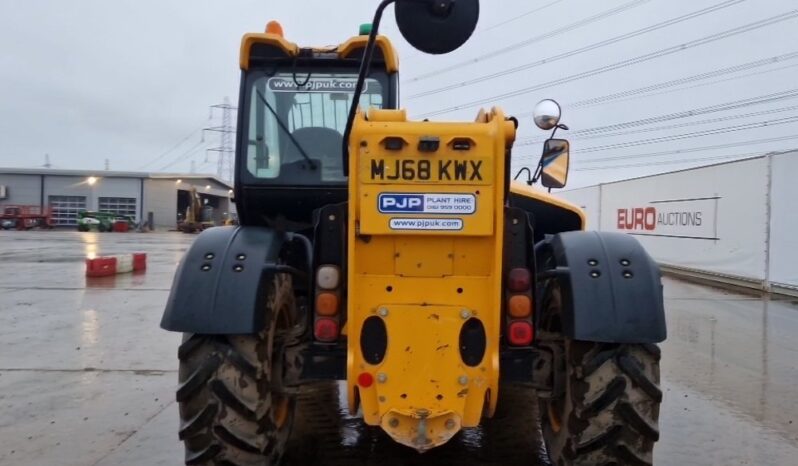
{"x": 529, "y": 176}
{"x": 365, "y": 64}
{"x": 559, "y": 126}
{"x": 538, "y": 171}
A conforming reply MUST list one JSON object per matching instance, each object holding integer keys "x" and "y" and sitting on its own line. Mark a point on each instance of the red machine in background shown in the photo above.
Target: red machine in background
{"x": 25, "y": 217}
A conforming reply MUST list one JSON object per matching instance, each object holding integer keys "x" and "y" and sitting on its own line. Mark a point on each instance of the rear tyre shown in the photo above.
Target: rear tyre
{"x": 234, "y": 410}
{"x": 609, "y": 412}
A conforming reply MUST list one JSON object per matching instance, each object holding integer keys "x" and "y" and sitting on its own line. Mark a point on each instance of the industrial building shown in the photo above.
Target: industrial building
{"x": 154, "y": 197}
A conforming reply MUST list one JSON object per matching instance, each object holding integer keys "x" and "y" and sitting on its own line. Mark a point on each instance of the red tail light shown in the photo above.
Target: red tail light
{"x": 325, "y": 329}
{"x": 519, "y": 280}
{"x": 520, "y": 333}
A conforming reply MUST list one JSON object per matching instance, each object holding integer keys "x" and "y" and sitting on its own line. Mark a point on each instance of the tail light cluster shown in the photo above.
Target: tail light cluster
{"x": 519, "y": 330}
{"x": 327, "y": 307}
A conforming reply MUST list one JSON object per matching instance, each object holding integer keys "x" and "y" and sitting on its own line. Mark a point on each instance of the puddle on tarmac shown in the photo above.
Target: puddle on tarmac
{"x": 326, "y": 434}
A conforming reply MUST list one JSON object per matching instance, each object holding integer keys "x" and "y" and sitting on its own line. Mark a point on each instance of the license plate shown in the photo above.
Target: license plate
{"x": 473, "y": 170}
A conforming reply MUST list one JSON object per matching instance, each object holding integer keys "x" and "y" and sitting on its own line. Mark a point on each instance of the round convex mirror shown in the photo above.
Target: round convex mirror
{"x": 437, "y": 26}
{"x": 547, "y": 114}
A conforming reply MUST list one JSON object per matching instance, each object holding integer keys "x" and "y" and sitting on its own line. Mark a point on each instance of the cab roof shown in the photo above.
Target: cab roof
{"x": 273, "y": 46}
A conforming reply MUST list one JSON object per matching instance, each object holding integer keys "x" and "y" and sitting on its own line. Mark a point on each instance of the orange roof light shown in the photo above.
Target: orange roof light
{"x": 273, "y": 27}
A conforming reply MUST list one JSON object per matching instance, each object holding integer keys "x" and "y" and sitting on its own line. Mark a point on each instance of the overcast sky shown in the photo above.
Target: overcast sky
{"x": 124, "y": 80}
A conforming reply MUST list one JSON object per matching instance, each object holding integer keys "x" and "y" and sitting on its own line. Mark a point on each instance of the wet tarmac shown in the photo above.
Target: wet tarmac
{"x": 88, "y": 378}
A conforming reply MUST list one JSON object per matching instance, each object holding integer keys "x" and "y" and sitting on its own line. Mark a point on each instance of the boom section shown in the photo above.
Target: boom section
{"x": 425, "y": 230}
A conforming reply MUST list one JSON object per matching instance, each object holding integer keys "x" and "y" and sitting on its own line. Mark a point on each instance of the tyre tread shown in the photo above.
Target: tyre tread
{"x": 198, "y": 423}
{"x": 219, "y": 423}
{"x": 615, "y": 398}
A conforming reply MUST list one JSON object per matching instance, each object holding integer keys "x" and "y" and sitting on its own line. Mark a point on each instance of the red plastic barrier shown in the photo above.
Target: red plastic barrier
{"x": 101, "y": 267}
{"x": 139, "y": 261}
{"x": 111, "y": 265}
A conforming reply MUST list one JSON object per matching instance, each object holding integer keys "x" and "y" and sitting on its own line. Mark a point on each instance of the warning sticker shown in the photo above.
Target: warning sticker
{"x": 445, "y": 224}
{"x": 427, "y": 203}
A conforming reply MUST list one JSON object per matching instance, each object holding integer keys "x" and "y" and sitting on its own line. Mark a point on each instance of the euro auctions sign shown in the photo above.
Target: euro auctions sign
{"x": 673, "y": 218}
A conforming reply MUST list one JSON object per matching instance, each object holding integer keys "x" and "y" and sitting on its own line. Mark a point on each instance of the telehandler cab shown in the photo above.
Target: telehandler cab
{"x": 398, "y": 256}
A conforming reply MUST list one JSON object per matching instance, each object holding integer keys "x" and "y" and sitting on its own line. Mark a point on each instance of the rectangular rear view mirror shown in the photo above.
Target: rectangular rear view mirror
{"x": 554, "y": 163}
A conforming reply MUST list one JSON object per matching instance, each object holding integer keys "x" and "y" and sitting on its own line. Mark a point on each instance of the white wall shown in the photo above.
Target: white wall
{"x": 737, "y": 219}
{"x": 784, "y": 220}
{"x": 22, "y": 189}
{"x": 160, "y": 198}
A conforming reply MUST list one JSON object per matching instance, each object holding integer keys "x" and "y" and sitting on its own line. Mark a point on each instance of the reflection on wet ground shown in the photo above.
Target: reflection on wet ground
{"x": 87, "y": 378}
{"x": 730, "y": 369}
{"x": 326, "y": 434}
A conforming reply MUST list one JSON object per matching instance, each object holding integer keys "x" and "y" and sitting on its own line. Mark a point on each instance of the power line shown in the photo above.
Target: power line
{"x": 694, "y": 134}
{"x": 646, "y": 155}
{"x": 648, "y": 90}
{"x": 683, "y": 125}
{"x": 625, "y": 63}
{"x": 571, "y": 53}
{"x": 524, "y": 43}
{"x": 522, "y": 15}
{"x": 674, "y": 162}
{"x": 224, "y": 169}
{"x": 184, "y": 156}
{"x": 751, "y": 142}
{"x": 171, "y": 149}
{"x": 414, "y": 58}
{"x": 735, "y": 104}
{"x": 763, "y": 99}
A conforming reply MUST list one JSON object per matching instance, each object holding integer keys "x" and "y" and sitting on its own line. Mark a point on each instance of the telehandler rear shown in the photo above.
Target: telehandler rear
{"x": 397, "y": 255}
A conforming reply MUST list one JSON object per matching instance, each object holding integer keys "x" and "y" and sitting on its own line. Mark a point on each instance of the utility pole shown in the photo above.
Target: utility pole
{"x": 193, "y": 167}
{"x": 224, "y": 166}
{"x": 107, "y": 165}
{"x": 47, "y": 163}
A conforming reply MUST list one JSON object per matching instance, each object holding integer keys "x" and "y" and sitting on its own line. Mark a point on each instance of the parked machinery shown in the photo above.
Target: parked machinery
{"x": 104, "y": 221}
{"x": 25, "y": 217}
{"x": 397, "y": 255}
{"x": 198, "y": 216}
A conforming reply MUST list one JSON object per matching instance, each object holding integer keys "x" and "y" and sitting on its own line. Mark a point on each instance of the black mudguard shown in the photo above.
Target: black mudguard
{"x": 218, "y": 285}
{"x": 612, "y": 289}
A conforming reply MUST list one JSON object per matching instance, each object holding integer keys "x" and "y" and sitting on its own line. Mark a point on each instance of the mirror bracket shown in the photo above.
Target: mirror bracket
{"x": 365, "y": 64}
{"x": 432, "y": 26}
{"x": 530, "y": 178}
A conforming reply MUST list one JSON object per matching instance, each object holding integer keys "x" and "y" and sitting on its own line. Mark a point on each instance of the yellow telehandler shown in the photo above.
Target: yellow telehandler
{"x": 398, "y": 256}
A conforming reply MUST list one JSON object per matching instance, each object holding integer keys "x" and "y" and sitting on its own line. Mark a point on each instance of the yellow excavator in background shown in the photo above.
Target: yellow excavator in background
{"x": 193, "y": 221}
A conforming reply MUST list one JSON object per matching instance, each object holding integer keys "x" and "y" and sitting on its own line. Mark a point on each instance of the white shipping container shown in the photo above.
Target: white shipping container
{"x": 736, "y": 219}
{"x": 783, "y": 245}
